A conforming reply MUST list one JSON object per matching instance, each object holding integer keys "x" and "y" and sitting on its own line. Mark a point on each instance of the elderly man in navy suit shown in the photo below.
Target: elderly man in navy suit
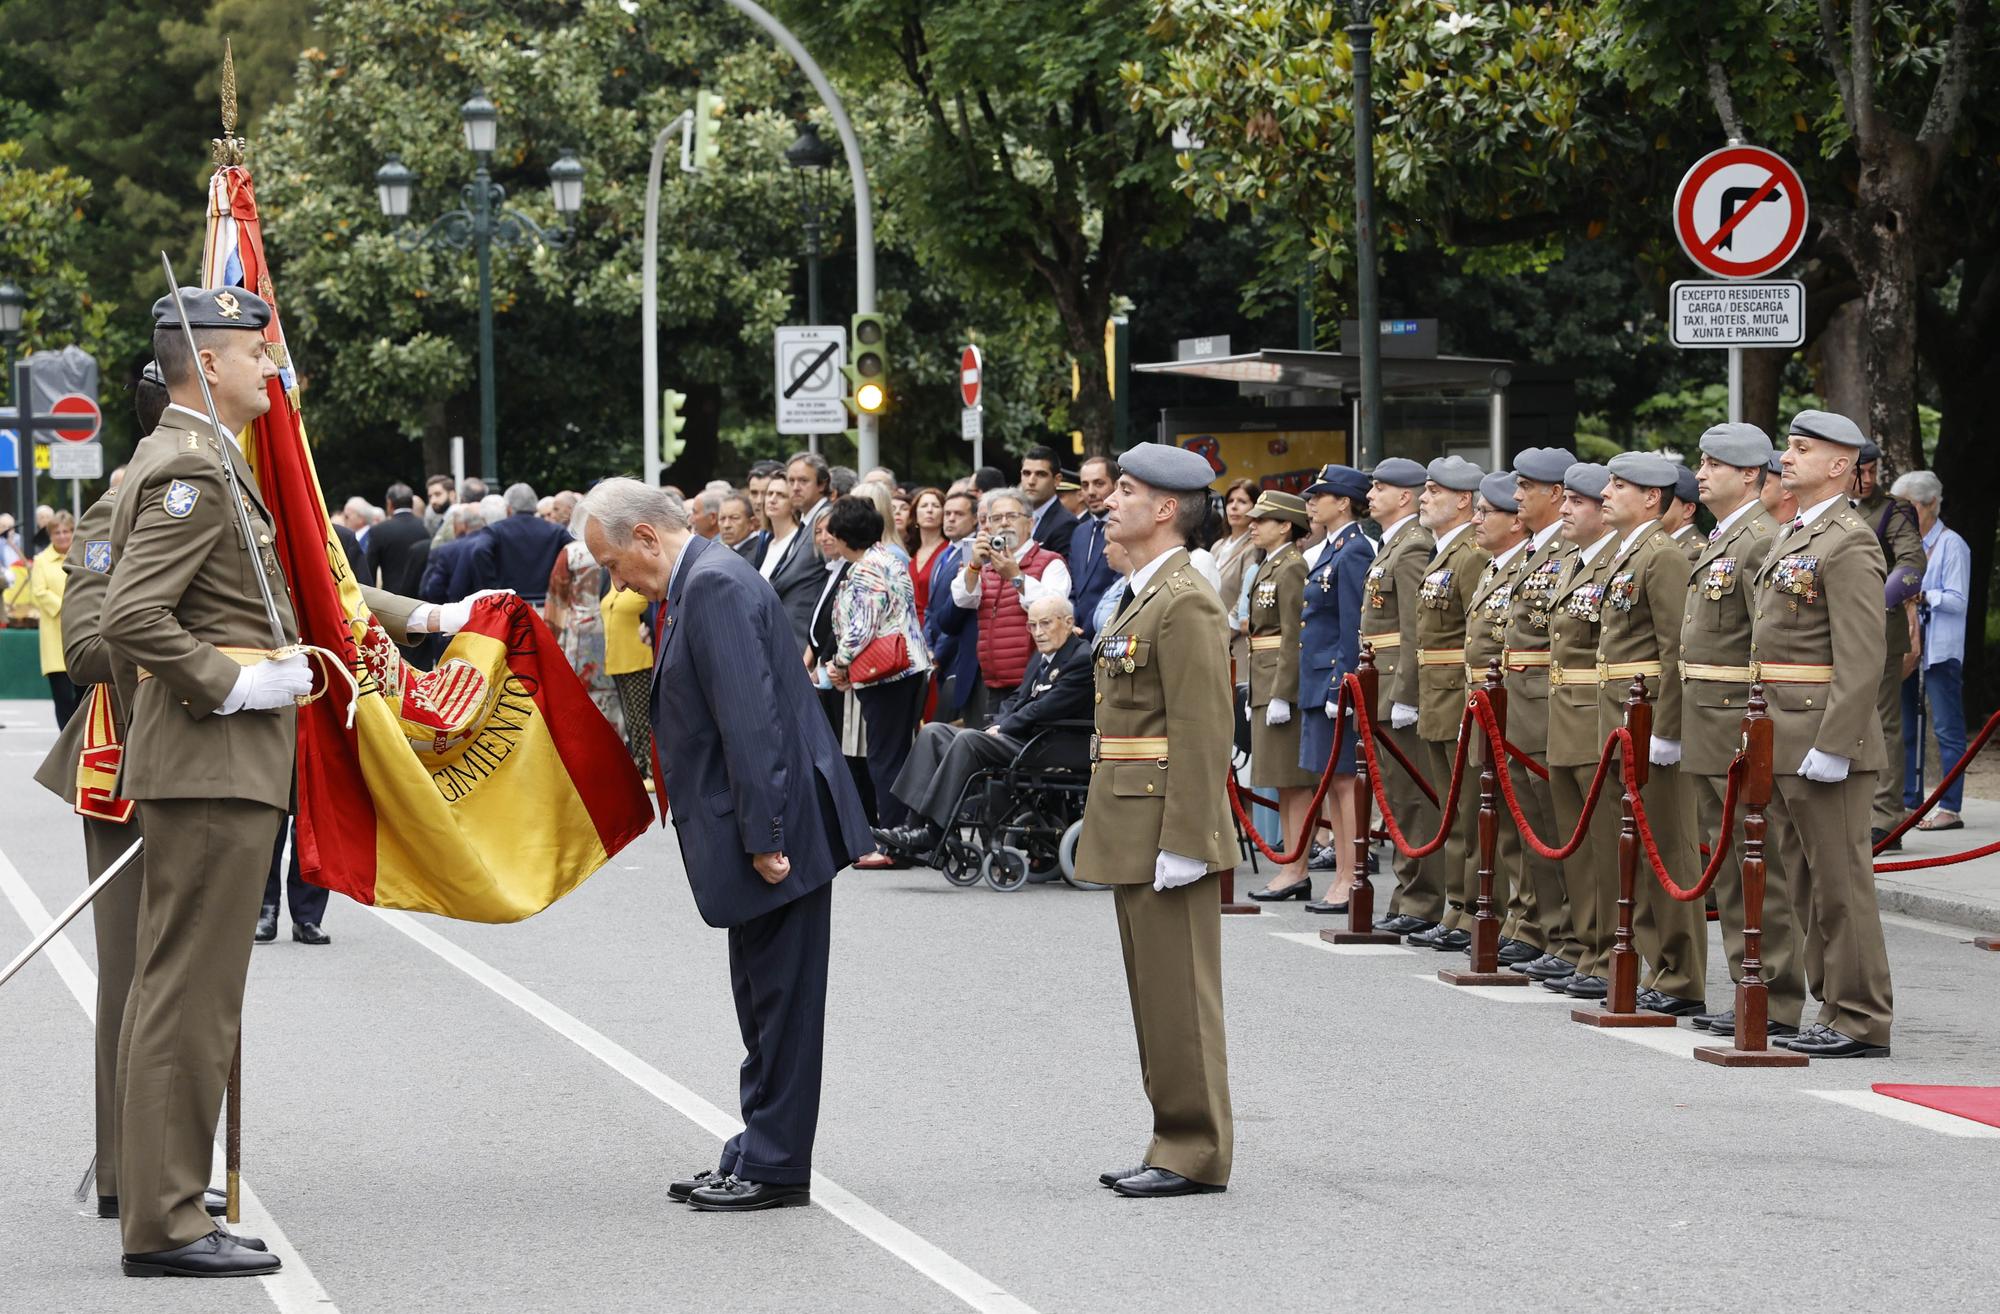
{"x": 766, "y": 813}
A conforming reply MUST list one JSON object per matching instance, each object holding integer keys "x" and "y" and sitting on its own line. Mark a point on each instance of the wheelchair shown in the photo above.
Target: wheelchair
{"x": 1022, "y": 820}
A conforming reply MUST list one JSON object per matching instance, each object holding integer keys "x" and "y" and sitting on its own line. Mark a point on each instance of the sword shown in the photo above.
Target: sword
{"x": 68, "y": 914}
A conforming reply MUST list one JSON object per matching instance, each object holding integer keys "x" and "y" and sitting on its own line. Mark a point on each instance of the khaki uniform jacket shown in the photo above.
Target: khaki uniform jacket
{"x": 1715, "y": 631}
{"x": 1442, "y": 603}
{"x": 1390, "y": 605}
{"x": 86, "y": 573}
{"x": 1645, "y": 593}
{"x": 1277, "y": 607}
{"x": 1818, "y": 603}
{"x": 1486, "y": 616}
{"x": 1691, "y": 542}
{"x": 1176, "y": 639}
{"x": 1528, "y": 631}
{"x": 1902, "y": 549}
{"x": 1574, "y": 739}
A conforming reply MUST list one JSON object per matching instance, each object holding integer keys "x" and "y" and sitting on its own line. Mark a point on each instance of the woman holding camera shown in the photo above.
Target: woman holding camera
{"x": 1004, "y": 574}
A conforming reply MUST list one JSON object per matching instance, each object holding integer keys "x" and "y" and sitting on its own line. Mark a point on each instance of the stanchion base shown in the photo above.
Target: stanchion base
{"x": 1728, "y": 1056}
{"x": 1452, "y": 976}
{"x": 1604, "y": 1017}
{"x": 1360, "y": 937}
{"x": 1987, "y": 942}
{"x": 1239, "y": 909}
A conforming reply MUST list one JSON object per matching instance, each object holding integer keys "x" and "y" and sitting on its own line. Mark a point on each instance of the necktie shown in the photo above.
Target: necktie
{"x": 1797, "y": 522}
{"x": 1715, "y": 533}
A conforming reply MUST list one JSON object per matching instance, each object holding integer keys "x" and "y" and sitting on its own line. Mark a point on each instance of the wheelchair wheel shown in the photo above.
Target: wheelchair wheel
{"x": 1066, "y": 857}
{"x": 1005, "y": 869}
{"x": 959, "y": 862}
{"x": 1031, "y": 831}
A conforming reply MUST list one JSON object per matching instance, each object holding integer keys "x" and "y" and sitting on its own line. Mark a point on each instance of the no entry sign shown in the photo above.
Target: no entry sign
{"x": 971, "y": 384}
{"x": 1740, "y": 212}
{"x": 88, "y": 417}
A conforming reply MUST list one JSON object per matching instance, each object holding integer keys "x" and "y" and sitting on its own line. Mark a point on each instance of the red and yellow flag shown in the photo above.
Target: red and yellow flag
{"x": 484, "y": 790}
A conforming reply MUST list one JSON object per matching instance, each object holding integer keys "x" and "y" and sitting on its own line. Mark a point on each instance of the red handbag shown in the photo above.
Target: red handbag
{"x": 883, "y": 657}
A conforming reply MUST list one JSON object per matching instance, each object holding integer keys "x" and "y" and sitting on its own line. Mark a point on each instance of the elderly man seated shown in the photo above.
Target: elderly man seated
{"x": 1056, "y": 687}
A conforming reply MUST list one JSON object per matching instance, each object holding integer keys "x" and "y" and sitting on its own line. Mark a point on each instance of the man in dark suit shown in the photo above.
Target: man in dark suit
{"x": 736, "y": 525}
{"x": 952, "y": 633}
{"x": 766, "y": 814}
{"x": 1055, "y": 523}
{"x": 466, "y": 522}
{"x": 1055, "y": 687}
{"x": 399, "y": 546}
{"x": 801, "y": 575}
{"x": 357, "y": 556}
{"x": 516, "y": 553}
{"x": 1090, "y": 573}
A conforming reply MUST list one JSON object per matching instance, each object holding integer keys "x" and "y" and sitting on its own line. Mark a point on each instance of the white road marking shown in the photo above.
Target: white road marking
{"x": 293, "y": 1288}
{"x": 979, "y": 1292}
{"x": 1348, "y": 950}
{"x": 1676, "y": 1040}
{"x": 1962, "y": 934}
{"x": 1529, "y": 994}
{"x": 1949, "y": 1124}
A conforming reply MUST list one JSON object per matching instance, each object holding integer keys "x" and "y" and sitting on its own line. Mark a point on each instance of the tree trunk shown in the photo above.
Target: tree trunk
{"x": 1839, "y": 363}
{"x": 1762, "y": 368}
{"x": 1893, "y": 180}
{"x": 1084, "y": 305}
{"x": 1971, "y": 480}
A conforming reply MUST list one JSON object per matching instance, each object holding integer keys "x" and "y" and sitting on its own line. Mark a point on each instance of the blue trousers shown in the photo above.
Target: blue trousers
{"x": 308, "y": 902}
{"x": 777, "y": 969}
{"x": 1944, "y": 690}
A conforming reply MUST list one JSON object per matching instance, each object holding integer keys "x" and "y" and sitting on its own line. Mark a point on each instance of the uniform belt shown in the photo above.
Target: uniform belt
{"x": 1626, "y": 670}
{"x": 1393, "y": 639}
{"x": 1440, "y": 656}
{"x": 1124, "y": 748}
{"x": 1725, "y": 674}
{"x": 1561, "y": 675}
{"x": 1520, "y": 659}
{"x": 1792, "y": 673}
{"x": 1474, "y": 674}
{"x": 1266, "y": 642}
{"x": 241, "y": 656}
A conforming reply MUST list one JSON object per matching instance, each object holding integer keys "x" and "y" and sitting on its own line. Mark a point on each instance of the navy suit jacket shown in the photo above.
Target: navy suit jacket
{"x": 1057, "y": 525}
{"x": 516, "y": 553}
{"x": 1054, "y": 688}
{"x": 445, "y": 564}
{"x": 1331, "y": 631}
{"x": 951, "y": 632}
{"x": 1090, "y": 572}
{"x": 747, "y": 753}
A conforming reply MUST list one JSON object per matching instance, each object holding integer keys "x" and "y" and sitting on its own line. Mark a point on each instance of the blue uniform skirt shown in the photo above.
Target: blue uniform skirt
{"x": 1316, "y": 742}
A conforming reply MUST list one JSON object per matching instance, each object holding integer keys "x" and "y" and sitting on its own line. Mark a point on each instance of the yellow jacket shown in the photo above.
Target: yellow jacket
{"x": 624, "y": 651}
{"x": 45, "y": 588}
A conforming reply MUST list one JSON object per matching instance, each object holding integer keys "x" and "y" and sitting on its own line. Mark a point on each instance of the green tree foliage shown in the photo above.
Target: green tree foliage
{"x": 41, "y": 214}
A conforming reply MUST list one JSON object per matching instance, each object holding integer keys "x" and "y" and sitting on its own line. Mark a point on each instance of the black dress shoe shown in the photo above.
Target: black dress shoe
{"x": 1549, "y": 967}
{"x": 687, "y": 1186}
{"x": 214, "y": 1201}
{"x": 734, "y": 1195}
{"x": 1117, "y": 1175}
{"x": 1517, "y": 951}
{"x": 1301, "y": 889}
{"x": 267, "y": 926}
{"x": 1581, "y": 987}
{"x": 216, "y": 1255}
{"x": 1158, "y": 1181}
{"x": 913, "y": 841}
{"x": 1875, "y": 837}
{"x": 1805, "y": 1035}
{"x": 1451, "y": 941}
{"x": 309, "y": 933}
{"x": 1403, "y": 924}
{"x": 1673, "y": 1006}
{"x": 1323, "y": 906}
{"x": 1828, "y": 1043}
{"x": 1323, "y": 858}
{"x": 1724, "y": 1024}
{"x": 1428, "y": 937}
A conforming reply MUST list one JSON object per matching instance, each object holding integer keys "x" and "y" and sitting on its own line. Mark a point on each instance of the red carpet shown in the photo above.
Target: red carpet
{"x": 1979, "y": 1103}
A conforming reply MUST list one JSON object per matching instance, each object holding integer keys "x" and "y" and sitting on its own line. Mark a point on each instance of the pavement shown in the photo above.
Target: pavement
{"x": 449, "y": 1117}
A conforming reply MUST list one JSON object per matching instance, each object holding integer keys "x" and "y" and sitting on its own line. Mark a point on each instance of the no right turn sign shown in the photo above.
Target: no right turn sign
{"x": 1740, "y": 212}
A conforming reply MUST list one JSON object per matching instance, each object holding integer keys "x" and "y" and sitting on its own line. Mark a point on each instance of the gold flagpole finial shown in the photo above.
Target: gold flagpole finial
{"x": 228, "y": 148}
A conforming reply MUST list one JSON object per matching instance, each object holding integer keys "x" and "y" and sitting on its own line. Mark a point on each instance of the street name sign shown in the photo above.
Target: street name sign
{"x": 811, "y": 389}
{"x": 1725, "y": 314}
{"x": 1740, "y": 212}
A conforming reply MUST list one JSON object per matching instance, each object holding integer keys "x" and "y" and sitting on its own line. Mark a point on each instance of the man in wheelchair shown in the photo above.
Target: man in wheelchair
{"x": 1056, "y": 687}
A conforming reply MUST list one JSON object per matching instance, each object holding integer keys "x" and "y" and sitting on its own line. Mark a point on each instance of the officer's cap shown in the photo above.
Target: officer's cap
{"x": 1744, "y": 446}
{"x": 1685, "y": 487}
{"x": 151, "y": 374}
{"x": 1830, "y": 427}
{"x": 1498, "y": 489}
{"x": 1647, "y": 469}
{"x": 1398, "y": 472}
{"x": 1776, "y": 465}
{"x": 1587, "y": 478}
{"x": 1455, "y": 473}
{"x": 1544, "y": 465}
{"x": 214, "y": 308}
{"x": 1870, "y": 453}
{"x": 1169, "y": 469}
{"x": 1341, "y": 481}
{"x": 1272, "y": 504}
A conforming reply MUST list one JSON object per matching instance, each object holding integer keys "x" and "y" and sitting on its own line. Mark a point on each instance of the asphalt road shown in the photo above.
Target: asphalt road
{"x": 450, "y": 1117}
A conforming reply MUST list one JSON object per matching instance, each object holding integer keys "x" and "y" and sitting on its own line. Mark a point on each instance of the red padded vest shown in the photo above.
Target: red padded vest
{"x": 1004, "y": 643}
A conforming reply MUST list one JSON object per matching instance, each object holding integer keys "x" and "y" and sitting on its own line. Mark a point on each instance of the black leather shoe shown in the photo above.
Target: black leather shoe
{"x": 1517, "y": 951}
{"x": 1673, "y": 1006}
{"x": 1581, "y": 987}
{"x": 1806, "y": 1034}
{"x": 309, "y": 933}
{"x": 1322, "y": 906}
{"x": 1451, "y": 941}
{"x": 1724, "y": 1024}
{"x": 687, "y": 1186}
{"x": 912, "y": 841}
{"x": 1323, "y": 858}
{"x": 1875, "y": 837}
{"x": 1549, "y": 967}
{"x": 1428, "y": 937}
{"x": 214, "y": 1201}
{"x": 1301, "y": 889}
{"x": 1158, "y": 1181}
{"x": 267, "y": 926}
{"x": 1403, "y": 924}
{"x": 216, "y": 1255}
{"x": 1117, "y": 1175}
{"x": 734, "y": 1195}
{"x": 1828, "y": 1043}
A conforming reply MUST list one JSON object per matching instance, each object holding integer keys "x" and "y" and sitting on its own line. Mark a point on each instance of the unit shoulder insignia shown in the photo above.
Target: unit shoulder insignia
{"x": 180, "y": 499}
{"x": 97, "y": 555}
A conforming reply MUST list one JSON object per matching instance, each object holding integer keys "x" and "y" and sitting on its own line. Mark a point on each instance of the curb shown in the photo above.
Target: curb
{"x": 1970, "y": 914}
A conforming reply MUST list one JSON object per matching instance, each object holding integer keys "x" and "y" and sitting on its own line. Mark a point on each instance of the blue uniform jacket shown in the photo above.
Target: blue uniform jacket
{"x": 1332, "y": 627}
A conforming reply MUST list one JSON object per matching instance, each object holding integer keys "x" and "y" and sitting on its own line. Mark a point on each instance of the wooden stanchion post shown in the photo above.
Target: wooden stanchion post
{"x": 1361, "y": 899}
{"x": 1753, "y": 998}
{"x": 1485, "y": 969}
{"x": 232, "y": 1137}
{"x": 1621, "y": 1006}
{"x": 1231, "y": 908}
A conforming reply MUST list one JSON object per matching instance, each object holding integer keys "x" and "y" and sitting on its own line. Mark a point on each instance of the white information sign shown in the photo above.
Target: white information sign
{"x": 1730, "y": 314}
{"x": 972, "y": 423}
{"x": 76, "y": 461}
{"x": 810, "y": 386}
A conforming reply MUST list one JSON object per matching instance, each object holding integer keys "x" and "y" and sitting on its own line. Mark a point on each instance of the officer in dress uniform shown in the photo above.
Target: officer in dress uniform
{"x": 1389, "y": 626}
{"x": 1574, "y": 743}
{"x": 1818, "y": 644}
{"x": 1894, "y": 521}
{"x": 1715, "y": 678}
{"x": 1538, "y": 882}
{"x": 1278, "y": 652}
{"x": 1334, "y": 591}
{"x": 1156, "y": 823}
{"x": 1687, "y": 497}
{"x": 1451, "y": 483}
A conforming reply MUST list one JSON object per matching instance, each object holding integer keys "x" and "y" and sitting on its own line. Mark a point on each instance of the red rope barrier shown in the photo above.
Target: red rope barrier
{"x": 1381, "y": 737}
{"x": 1949, "y": 860}
{"x": 1923, "y": 809}
{"x": 1313, "y": 822}
{"x": 1629, "y": 758}
{"x": 1448, "y": 810}
{"x": 1490, "y": 724}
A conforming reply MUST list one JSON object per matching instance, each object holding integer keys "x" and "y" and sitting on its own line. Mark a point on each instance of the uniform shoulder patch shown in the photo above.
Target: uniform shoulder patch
{"x": 1176, "y": 582}
{"x": 179, "y": 499}
{"x": 97, "y": 555}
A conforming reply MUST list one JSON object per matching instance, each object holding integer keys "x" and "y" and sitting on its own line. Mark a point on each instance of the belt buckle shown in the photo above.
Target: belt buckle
{"x": 1095, "y": 744}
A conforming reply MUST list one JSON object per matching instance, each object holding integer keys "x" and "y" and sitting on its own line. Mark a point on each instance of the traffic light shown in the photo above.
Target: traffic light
{"x": 707, "y": 126}
{"x": 868, "y": 376}
{"x": 671, "y": 424}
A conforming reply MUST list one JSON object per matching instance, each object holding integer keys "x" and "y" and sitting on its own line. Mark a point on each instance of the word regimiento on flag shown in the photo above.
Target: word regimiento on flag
{"x": 483, "y": 790}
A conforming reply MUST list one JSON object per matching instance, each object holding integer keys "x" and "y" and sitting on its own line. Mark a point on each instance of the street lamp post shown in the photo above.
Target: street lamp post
{"x": 13, "y": 314}
{"x": 1361, "y": 36}
{"x": 482, "y": 221}
{"x": 809, "y": 159}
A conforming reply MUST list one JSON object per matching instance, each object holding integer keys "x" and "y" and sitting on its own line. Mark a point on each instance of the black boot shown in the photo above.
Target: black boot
{"x": 267, "y": 925}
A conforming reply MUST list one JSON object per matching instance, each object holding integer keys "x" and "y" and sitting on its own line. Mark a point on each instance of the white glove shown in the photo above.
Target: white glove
{"x": 1171, "y": 870}
{"x": 1824, "y": 767}
{"x": 269, "y": 685}
{"x": 1401, "y": 716}
{"x": 453, "y": 616}
{"x": 1665, "y": 752}
{"x": 1277, "y": 712}
{"x": 1332, "y": 708}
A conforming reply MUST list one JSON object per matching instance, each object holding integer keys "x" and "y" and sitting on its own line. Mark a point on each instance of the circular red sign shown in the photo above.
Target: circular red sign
{"x": 971, "y": 381}
{"x": 90, "y": 418}
{"x": 1740, "y": 212}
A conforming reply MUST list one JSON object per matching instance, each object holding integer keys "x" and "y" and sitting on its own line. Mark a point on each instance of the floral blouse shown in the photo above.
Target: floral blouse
{"x": 877, "y": 598}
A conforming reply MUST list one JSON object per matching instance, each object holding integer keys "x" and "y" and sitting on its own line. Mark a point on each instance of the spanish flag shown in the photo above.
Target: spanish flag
{"x": 484, "y": 790}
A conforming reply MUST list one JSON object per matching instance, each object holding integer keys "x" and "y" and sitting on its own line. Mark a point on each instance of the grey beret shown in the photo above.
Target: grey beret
{"x": 1826, "y": 425}
{"x": 1498, "y": 488}
{"x": 1169, "y": 469}
{"x": 1398, "y": 472}
{"x": 1870, "y": 452}
{"x": 1587, "y": 478}
{"x": 1647, "y": 469}
{"x": 1455, "y": 473}
{"x": 214, "y": 308}
{"x": 1744, "y": 446}
{"x": 1685, "y": 487}
{"x": 1544, "y": 465}
{"x": 151, "y": 373}
{"x": 1776, "y": 465}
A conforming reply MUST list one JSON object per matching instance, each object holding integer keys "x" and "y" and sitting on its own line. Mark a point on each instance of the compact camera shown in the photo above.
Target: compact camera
{"x": 1002, "y": 543}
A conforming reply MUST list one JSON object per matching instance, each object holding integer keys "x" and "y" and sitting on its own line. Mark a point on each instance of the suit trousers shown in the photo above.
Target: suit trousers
{"x": 1541, "y": 905}
{"x": 114, "y": 918}
{"x": 1592, "y": 902}
{"x": 1823, "y": 832}
{"x": 1888, "y": 800}
{"x": 1419, "y": 881}
{"x": 1781, "y": 969}
{"x": 1671, "y": 935}
{"x": 777, "y": 971}
{"x": 306, "y": 900}
{"x": 891, "y": 712}
{"x": 1442, "y": 879}
{"x": 943, "y": 759}
{"x": 205, "y": 866}
{"x": 1464, "y": 895}
{"x": 1173, "y": 971}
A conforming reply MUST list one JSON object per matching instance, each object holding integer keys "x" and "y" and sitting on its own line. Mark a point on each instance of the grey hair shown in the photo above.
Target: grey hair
{"x": 1014, "y": 495}
{"x": 710, "y": 500}
{"x": 354, "y": 506}
{"x": 468, "y": 516}
{"x": 621, "y": 505}
{"x": 718, "y": 486}
{"x": 738, "y": 495}
{"x": 493, "y": 507}
{"x": 1919, "y": 486}
{"x": 521, "y": 499}
{"x": 842, "y": 479}
{"x": 1059, "y": 602}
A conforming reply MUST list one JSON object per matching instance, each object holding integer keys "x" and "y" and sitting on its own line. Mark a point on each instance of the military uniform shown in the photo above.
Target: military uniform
{"x": 1442, "y": 604}
{"x": 1165, "y": 728}
{"x": 1389, "y": 624}
{"x": 1485, "y": 642}
{"x": 1277, "y": 608}
{"x": 1894, "y": 522}
{"x": 1525, "y": 659}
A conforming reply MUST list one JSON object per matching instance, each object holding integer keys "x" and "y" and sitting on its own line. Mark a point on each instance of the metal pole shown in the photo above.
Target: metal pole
{"x": 67, "y": 915}
{"x": 649, "y": 315}
{"x": 482, "y": 236}
{"x": 1736, "y": 385}
{"x": 812, "y": 292}
{"x": 1496, "y": 425}
{"x": 1361, "y": 35}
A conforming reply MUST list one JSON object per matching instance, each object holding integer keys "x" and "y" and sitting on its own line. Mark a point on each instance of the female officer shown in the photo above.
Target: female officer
{"x": 1276, "y": 610}
{"x": 1332, "y": 646}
